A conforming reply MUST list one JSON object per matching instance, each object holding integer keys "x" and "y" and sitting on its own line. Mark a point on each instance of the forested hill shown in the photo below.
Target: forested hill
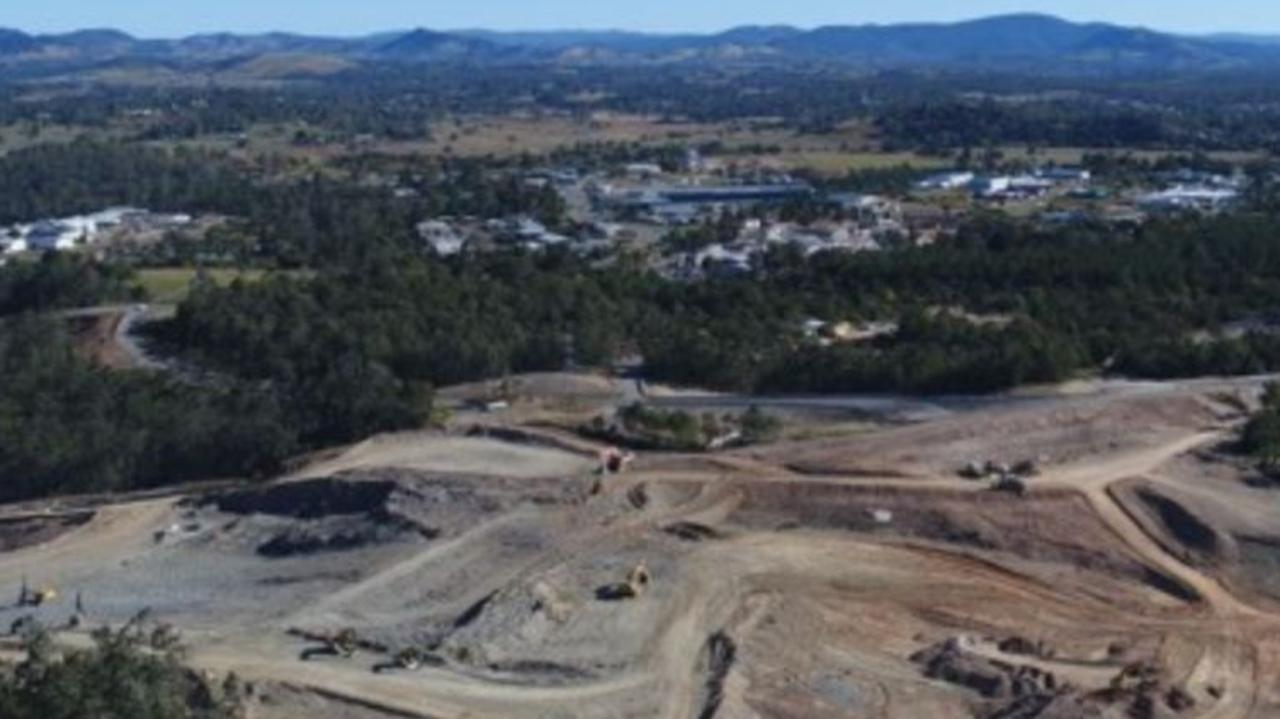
{"x": 1035, "y": 43}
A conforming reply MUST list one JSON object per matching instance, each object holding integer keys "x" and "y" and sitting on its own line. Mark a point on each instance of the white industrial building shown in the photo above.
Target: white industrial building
{"x": 946, "y": 181}
{"x": 56, "y": 235}
{"x": 12, "y": 244}
{"x": 1182, "y": 198}
{"x": 70, "y": 232}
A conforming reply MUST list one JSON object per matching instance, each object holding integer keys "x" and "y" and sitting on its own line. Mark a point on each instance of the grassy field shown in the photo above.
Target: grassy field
{"x": 21, "y": 135}
{"x": 1074, "y": 155}
{"x": 170, "y": 285}
{"x": 836, "y": 162}
{"x": 513, "y": 134}
{"x": 760, "y": 142}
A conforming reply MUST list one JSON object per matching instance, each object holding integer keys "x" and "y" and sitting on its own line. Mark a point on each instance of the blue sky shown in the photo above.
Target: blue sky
{"x": 167, "y": 18}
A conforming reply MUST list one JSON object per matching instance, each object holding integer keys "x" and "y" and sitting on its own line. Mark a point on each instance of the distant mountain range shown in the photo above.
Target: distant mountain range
{"x": 1027, "y": 42}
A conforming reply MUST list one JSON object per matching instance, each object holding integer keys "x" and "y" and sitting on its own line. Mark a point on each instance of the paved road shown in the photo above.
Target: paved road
{"x": 925, "y": 408}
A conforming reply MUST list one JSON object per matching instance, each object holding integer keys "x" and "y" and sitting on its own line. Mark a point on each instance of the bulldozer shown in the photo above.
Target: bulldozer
{"x": 1011, "y": 484}
{"x": 345, "y": 643}
{"x": 409, "y": 659}
{"x": 615, "y": 461}
{"x": 342, "y": 645}
{"x": 636, "y": 584}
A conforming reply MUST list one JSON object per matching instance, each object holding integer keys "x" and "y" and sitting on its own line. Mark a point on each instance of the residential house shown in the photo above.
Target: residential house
{"x": 441, "y": 237}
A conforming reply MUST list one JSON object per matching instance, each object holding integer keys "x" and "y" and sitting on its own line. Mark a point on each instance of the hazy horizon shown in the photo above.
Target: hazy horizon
{"x": 156, "y": 19}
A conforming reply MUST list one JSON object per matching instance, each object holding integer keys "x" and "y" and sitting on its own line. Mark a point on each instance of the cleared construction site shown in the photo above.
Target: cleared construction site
{"x": 1094, "y": 554}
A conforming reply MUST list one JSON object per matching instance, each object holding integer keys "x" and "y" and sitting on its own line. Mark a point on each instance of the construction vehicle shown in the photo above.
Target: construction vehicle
{"x": 637, "y": 583}
{"x": 1011, "y": 484}
{"x": 639, "y": 579}
{"x": 1027, "y": 468}
{"x": 345, "y": 643}
{"x": 409, "y": 659}
{"x": 615, "y": 461}
{"x": 28, "y": 597}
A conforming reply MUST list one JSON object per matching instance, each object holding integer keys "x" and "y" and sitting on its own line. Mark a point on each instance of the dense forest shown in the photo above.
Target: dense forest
{"x": 1061, "y": 302}
{"x": 927, "y": 109}
{"x": 61, "y": 281}
{"x": 1261, "y": 435}
{"x": 71, "y": 427}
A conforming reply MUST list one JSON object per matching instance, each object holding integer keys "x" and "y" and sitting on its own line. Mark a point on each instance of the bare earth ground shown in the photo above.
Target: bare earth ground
{"x": 852, "y": 576}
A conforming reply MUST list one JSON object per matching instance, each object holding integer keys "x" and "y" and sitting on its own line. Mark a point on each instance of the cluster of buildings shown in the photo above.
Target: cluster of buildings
{"x": 1189, "y": 198}
{"x": 687, "y": 204}
{"x": 643, "y": 202}
{"x": 450, "y": 236}
{"x": 69, "y": 233}
{"x": 1008, "y": 187}
{"x": 1182, "y": 191}
{"x": 1193, "y": 191}
{"x": 757, "y": 237}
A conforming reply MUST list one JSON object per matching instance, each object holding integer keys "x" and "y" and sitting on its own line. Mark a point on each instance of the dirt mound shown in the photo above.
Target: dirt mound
{"x": 315, "y": 539}
{"x": 1008, "y": 691}
{"x": 989, "y": 678}
{"x": 1060, "y": 707}
{"x": 1259, "y": 568}
{"x": 319, "y": 516}
{"x": 430, "y": 502}
{"x": 1055, "y": 527}
{"x": 24, "y": 532}
{"x": 507, "y": 633}
{"x": 1184, "y": 526}
{"x": 453, "y": 455}
{"x": 310, "y": 499}
{"x": 1175, "y": 520}
{"x": 1059, "y": 432}
{"x": 692, "y": 531}
{"x": 368, "y": 508}
{"x": 1206, "y": 509}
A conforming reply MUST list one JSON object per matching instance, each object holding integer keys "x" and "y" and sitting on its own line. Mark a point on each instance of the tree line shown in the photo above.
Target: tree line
{"x": 68, "y": 426}
{"x": 1003, "y": 304}
{"x": 290, "y": 216}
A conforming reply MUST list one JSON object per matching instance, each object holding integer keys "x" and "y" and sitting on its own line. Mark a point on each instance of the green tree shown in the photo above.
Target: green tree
{"x": 124, "y": 676}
